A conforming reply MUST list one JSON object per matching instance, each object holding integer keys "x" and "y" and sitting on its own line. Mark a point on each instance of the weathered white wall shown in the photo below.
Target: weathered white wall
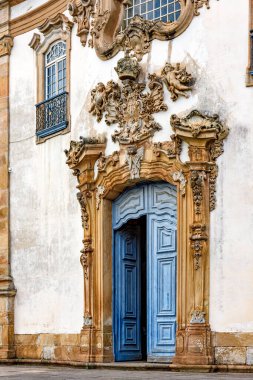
{"x": 46, "y": 228}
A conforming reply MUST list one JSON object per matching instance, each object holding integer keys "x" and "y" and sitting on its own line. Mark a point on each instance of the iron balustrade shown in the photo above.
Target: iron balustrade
{"x": 51, "y": 115}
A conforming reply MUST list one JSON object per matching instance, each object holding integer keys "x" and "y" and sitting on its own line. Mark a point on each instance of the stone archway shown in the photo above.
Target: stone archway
{"x": 195, "y": 180}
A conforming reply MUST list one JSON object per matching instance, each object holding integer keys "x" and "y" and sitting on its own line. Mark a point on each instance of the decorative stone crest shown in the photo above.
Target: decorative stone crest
{"x": 177, "y": 80}
{"x": 81, "y": 11}
{"x": 6, "y": 44}
{"x": 60, "y": 21}
{"x": 134, "y": 157}
{"x": 128, "y": 106}
{"x": 77, "y": 148}
{"x": 179, "y": 177}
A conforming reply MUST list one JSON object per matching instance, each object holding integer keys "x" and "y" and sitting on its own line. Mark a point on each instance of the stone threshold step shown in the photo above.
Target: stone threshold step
{"x": 136, "y": 366}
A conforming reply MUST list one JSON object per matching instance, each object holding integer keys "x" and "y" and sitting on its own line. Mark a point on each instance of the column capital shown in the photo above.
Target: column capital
{"x": 6, "y": 44}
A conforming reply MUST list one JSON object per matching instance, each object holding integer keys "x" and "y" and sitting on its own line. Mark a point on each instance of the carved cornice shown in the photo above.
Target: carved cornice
{"x": 6, "y": 44}
{"x": 60, "y": 21}
{"x": 34, "y": 18}
{"x": 81, "y": 11}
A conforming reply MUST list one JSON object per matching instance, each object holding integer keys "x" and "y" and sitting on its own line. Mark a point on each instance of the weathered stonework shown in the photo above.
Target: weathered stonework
{"x": 7, "y": 290}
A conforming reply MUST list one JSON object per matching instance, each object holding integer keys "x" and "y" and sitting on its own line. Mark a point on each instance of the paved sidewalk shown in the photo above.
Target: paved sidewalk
{"x": 26, "y": 372}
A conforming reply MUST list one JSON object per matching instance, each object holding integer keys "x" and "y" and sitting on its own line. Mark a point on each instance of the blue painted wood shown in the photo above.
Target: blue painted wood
{"x": 127, "y": 329}
{"x": 159, "y": 202}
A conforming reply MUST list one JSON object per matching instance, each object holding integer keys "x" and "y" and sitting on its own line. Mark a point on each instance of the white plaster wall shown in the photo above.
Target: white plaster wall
{"x": 24, "y": 7}
{"x": 46, "y": 228}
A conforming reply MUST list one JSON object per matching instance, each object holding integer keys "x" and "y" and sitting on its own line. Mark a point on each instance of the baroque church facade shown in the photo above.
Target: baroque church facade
{"x": 125, "y": 186}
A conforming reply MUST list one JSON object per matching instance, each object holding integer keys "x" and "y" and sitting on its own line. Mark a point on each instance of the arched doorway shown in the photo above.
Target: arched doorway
{"x": 144, "y": 221}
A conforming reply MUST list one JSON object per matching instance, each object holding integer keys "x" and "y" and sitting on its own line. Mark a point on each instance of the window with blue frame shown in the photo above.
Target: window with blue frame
{"x": 164, "y": 10}
{"x": 52, "y": 112}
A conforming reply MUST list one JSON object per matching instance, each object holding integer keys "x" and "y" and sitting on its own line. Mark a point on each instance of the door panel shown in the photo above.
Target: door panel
{"x": 127, "y": 332}
{"x": 161, "y": 288}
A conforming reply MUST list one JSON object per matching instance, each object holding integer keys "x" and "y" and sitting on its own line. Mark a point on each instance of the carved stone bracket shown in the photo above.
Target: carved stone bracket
{"x": 6, "y": 44}
{"x": 99, "y": 194}
{"x": 81, "y": 11}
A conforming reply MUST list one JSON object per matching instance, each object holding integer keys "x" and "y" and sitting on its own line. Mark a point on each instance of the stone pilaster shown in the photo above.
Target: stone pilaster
{"x": 7, "y": 290}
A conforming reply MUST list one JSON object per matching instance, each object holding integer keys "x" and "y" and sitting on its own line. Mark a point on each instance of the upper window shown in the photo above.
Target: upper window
{"x": 164, "y": 10}
{"x": 55, "y": 70}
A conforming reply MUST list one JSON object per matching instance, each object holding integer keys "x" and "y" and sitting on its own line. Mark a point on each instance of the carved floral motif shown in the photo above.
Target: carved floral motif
{"x": 197, "y": 183}
{"x": 134, "y": 157}
{"x": 177, "y": 80}
{"x": 199, "y": 4}
{"x": 81, "y": 11}
{"x": 82, "y": 198}
{"x": 212, "y": 186}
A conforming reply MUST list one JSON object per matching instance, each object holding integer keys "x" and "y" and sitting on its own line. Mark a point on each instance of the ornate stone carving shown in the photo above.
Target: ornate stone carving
{"x": 198, "y": 239}
{"x": 60, "y": 21}
{"x": 197, "y": 182}
{"x": 6, "y": 44}
{"x": 99, "y": 193}
{"x": 199, "y": 4}
{"x": 78, "y": 147}
{"x": 84, "y": 258}
{"x": 128, "y": 105}
{"x": 198, "y": 316}
{"x": 104, "y": 161}
{"x": 212, "y": 186}
{"x": 177, "y": 80}
{"x": 108, "y": 38}
{"x": 81, "y": 11}
{"x": 179, "y": 177}
{"x": 172, "y": 148}
{"x": 82, "y": 198}
{"x": 134, "y": 157}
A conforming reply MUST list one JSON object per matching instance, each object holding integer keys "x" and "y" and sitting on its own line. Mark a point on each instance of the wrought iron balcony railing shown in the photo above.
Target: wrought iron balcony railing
{"x": 51, "y": 115}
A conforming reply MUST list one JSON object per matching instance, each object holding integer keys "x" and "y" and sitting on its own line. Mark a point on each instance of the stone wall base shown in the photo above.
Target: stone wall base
{"x": 232, "y": 352}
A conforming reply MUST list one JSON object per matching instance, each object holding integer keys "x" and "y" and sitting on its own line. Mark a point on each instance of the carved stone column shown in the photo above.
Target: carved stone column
{"x": 7, "y": 290}
{"x": 81, "y": 158}
{"x": 204, "y": 135}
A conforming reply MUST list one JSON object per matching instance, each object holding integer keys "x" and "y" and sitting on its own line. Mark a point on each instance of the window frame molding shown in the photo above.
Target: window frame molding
{"x": 107, "y": 17}
{"x": 249, "y": 70}
{"x": 52, "y": 30}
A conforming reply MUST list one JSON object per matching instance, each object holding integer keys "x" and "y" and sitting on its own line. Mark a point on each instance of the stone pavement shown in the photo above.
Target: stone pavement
{"x": 30, "y": 372}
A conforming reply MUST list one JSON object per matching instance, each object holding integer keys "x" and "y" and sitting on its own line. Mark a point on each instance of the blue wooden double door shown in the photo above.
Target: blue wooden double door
{"x": 144, "y": 284}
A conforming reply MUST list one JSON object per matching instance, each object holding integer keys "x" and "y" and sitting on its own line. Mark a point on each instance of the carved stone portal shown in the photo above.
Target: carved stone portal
{"x": 144, "y": 161}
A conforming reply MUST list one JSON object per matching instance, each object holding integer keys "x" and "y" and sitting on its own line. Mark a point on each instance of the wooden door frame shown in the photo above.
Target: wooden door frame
{"x": 195, "y": 181}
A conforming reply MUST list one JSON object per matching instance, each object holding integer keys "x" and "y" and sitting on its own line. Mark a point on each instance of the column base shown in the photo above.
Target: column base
{"x": 193, "y": 345}
{"x": 96, "y": 345}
